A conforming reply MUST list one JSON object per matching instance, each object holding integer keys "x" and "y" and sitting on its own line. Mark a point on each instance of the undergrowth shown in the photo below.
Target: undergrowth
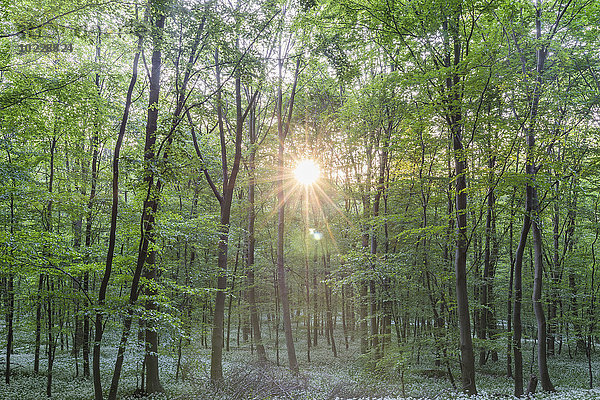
{"x": 400, "y": 374}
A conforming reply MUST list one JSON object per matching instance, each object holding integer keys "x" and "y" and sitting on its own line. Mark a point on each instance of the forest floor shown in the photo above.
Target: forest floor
{"x": 347, "y": 376}
{"x": 351, "y": 376}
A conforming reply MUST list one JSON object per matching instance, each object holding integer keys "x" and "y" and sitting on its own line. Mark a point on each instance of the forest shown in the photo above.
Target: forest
{"x": 299, "y": 199}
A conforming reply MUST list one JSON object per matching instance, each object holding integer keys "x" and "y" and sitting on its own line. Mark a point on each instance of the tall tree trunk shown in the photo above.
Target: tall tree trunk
{"x": 454, "y": 117}
{"x": 10, "y": 303}
{"x": 150, "y": 271}
{"x": 344, "y": 316}
{"x": 95, "y": 143}
{"x": 47, "y": 226}
{"x": 149, "y": 267}
{"x": 517, "y": 324}
{"x": 383, "y": 157}
{"x": 490, "y": 251}
{"x": 509, "y": 304}
{"x": 99, "y": 327}
{"x": 376, "y": 351}
{"x": 51, "y": 339}
{"x": 225, "y": 200}
{"x": 532, "y": 202}
{"x": 315, "y": 303}
{"x": 150, "y": 205}
{"x": 153, "y": 384}
{"x": 231, "y": 295}
{"x": 216, "y": 354}
{"x": 533, "y": 205}
{"x": 77, "y": 225}
{"x": 88, "y": 243}
{"x": 38, "y": 325}
{"x": 9, "y": 317}
{"x": 555, "y": 275}
{"x": 364, "y": 285}
{"x": 282, "y": 131}
{"x": 568, "y": 246}
{"x": 306, "y": 272}
{"x": 328, "y": 304}
{"x": 49, "y": 308}
{"x": 539, "y": 309}
{"x": 254, "y": 320}
{"x": 592, "y": 307}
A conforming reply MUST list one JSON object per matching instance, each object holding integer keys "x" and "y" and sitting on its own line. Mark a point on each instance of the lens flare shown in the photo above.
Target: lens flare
{"x": 307, "y": 172}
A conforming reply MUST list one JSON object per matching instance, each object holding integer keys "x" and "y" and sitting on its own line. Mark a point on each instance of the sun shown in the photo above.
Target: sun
{"x": 307, "y": 172}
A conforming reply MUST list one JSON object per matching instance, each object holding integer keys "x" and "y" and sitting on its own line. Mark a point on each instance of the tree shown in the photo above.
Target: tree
{"x": 532, "y": 219}
{"x": 253, "y": 140}
{"x": 99, "y": 327}
{"x": 283, "y": 126}
{"x": 146, "y": 261}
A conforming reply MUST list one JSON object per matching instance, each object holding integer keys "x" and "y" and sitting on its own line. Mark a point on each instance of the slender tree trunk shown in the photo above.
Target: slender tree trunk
{"x": 10, "y": 318}
{"x": 592, "y": 307}
{"x": 539, "y": 310}
{"x": 315, "y": 304}
{"x": 306, "y": 273}
{"x": 10, "y": 303}
{"x": 568, "y": 246}
{"x": 225, "y": 200}
{"x": 283, "y": 290}
{"x": 555, "y": 275}
{"x": 490, "y": 251}
{"x": 162, "y": 10}
{"x": 383, "y": 157}
{"x": 466, "y": 346}
{"x": 533, "y": 208}
{"x": 344, "y": 316}
{"x": 88, "y": 244}
{"x": 453, "y": 84}
{"x": 153, "y": 384}
{"x": 533, "y": 202}
{"x": 364, "y": 286}
{"x": 38, "y": 325}
{"x": 150, "y": 205}
{"x": 517, "y": 324}
{"x": 216, "y": 354}
{"x": 575, "y": 309}
{"x": 95, "y": 143}
{"x": 374, "y": 320}
{"x": 254, "y": 318}
{"x": 148, "y": 266}
{"x": 231, "y": 292}
{"x": 99, "y": 327}
{"x": 329, "y": 306}
{"x": 509, "y": 305}
{"x": 47, "y": 222}
{"x": 49, "y": 310}
{"x": 276, "y": 321}
{"x": 51, "y": 340}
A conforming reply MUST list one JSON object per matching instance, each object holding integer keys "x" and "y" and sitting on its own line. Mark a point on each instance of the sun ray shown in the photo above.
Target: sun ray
{"x": 307, "y": 181}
